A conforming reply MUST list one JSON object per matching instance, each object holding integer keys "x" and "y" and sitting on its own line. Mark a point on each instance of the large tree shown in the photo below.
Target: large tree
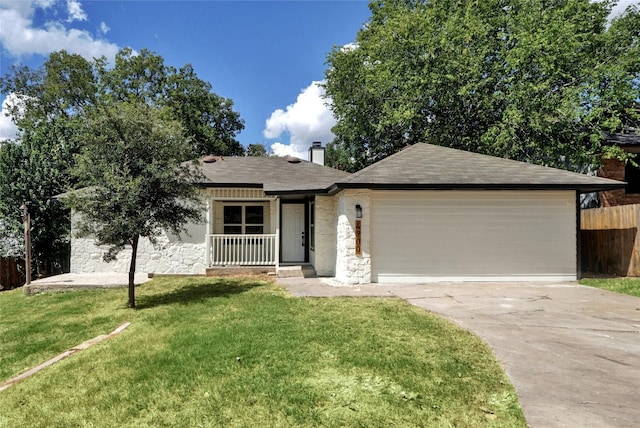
{"x": 208, "y": 119}
{"x": 256, "y": 150}
{"x": 530, "y": 80}
{"x": 136, "y": 185}
{"x": 34, "y": 177}
{"x": 35, "y": 166}
{"x": 54, "y": 104}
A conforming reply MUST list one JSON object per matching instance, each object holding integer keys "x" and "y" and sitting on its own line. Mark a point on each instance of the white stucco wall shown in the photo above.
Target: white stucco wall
{"x": 323, "y": 256}
{"x": 351, "y": 268}
{"x": 170, "y": 256}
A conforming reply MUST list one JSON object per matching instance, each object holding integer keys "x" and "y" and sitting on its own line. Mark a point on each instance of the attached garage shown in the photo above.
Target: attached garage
{"x": 472, "y": 235}
{"x": 430, "y": 213}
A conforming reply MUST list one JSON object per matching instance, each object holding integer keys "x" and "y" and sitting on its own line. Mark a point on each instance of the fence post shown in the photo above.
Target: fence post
{"x": 27, "y": 246}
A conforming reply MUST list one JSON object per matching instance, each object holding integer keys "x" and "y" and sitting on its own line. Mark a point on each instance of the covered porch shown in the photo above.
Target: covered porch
{"x": 246, "y": 228}
{"x": 242, "y": 250}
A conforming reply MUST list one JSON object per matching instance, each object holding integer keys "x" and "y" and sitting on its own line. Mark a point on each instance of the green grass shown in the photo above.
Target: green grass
{"x": 243, "y": 353}
{"x": 630, "y": 286}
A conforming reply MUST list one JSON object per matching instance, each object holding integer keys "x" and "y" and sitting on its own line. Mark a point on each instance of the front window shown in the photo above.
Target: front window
{"x": 244, "y": 219}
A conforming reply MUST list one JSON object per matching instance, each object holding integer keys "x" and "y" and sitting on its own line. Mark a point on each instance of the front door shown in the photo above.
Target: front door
{"x": 293, "y": 237}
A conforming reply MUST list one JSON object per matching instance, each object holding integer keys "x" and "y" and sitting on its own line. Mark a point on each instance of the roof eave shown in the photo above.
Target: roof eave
{"x": 208, "y": 185}
{"x": 301, "y": 192}
{"x": 601, "y": 188}
{"x": 582, "y": 188}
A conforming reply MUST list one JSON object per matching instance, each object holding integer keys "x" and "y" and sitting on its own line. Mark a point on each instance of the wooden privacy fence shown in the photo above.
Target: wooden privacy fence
{"x": 610, "y": 243}
{"x": 10, "y": 276}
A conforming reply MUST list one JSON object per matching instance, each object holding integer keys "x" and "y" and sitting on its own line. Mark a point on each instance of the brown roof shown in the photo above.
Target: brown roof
{"x": 276, "y": 175}
{"x": 426, "y": 166}
{"x": 421, "y": 166}
{"x": 631, "y": 138}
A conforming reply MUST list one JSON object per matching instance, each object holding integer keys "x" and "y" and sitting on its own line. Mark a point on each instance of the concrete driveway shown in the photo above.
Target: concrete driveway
{"x": 572, "y": 352}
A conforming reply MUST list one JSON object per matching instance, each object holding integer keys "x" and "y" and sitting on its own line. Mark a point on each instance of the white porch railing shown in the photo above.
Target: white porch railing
{"x": 242, "y": 250}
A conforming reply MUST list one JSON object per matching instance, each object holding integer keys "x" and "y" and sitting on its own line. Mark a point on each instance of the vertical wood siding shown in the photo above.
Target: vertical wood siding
{"x": 609, "y": 240}
{"x": 10, "y": 276}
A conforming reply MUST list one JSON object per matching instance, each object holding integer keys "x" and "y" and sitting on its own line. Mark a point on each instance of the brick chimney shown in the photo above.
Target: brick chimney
{"x": 316, "y": 153}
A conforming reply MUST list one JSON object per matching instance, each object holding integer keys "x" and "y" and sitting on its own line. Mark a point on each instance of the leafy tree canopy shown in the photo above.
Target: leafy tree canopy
{"x": 529, "y": 80}
{"x": 136, "y": 185}
{"x": 57, "y": 110}
{"x": 67, "y": 85}
{"x": 257, "y": 150}
{"x": 34, "y": 177}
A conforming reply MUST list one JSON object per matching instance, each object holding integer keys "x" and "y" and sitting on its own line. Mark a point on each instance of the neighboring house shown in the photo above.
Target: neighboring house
{"x": 618, "y": 170}
{"x": 427, "y": 213}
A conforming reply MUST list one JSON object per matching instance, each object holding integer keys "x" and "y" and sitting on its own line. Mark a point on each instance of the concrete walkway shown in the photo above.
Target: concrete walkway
{"x": 572, "y": 352}
{"x": 70, "y": 281}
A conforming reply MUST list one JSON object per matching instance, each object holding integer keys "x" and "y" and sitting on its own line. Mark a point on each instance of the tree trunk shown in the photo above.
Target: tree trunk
{"x": 132, "y": 272}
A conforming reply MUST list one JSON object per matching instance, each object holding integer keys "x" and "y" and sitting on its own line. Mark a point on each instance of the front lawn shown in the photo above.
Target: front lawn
{"x": 243, "y": 353}
{"x": 630, "y": 286}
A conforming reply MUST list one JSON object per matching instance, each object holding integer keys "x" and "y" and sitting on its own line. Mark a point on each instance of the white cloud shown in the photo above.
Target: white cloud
{"x": 104, "y": 28}
{"x": 308, "y": 119}
{"x": 75, "y": 11}
{"x": 8, "y": 129}
{"x": 280, "y": 149}
{"x": 349, "y": 47}
{"x": 20, "y": 36}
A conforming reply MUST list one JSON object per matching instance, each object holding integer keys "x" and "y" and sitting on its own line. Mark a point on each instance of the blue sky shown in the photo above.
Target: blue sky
{"x": 264, "y": 55}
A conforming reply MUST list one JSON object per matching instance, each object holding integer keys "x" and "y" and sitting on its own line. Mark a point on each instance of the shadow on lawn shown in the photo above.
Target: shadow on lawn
{"x": 197, "y": 291}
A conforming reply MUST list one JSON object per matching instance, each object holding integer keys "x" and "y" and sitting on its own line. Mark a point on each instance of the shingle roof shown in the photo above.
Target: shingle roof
{"x": 276, "y": 175}
{"x": 426, "y": 166}
{"x": 421, "y": 166}
{"x": 628, "y": 139}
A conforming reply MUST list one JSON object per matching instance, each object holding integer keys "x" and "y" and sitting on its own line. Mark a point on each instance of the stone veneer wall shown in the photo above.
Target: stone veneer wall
{"x": 350, "y": 268}
{"x": 323, "y": 257}
{"x": 172, "y": 255}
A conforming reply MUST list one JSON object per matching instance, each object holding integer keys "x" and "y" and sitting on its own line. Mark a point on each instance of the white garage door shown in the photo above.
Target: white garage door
{"x": 473, "y": 235}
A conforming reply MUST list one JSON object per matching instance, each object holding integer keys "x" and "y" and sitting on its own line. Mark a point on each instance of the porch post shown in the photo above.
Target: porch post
{"x": 207, "y": 240}
{"x": 277, "y": 202}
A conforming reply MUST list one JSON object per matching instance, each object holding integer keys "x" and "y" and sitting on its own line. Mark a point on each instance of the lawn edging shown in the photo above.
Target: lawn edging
{"x": 62, "y": 356}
